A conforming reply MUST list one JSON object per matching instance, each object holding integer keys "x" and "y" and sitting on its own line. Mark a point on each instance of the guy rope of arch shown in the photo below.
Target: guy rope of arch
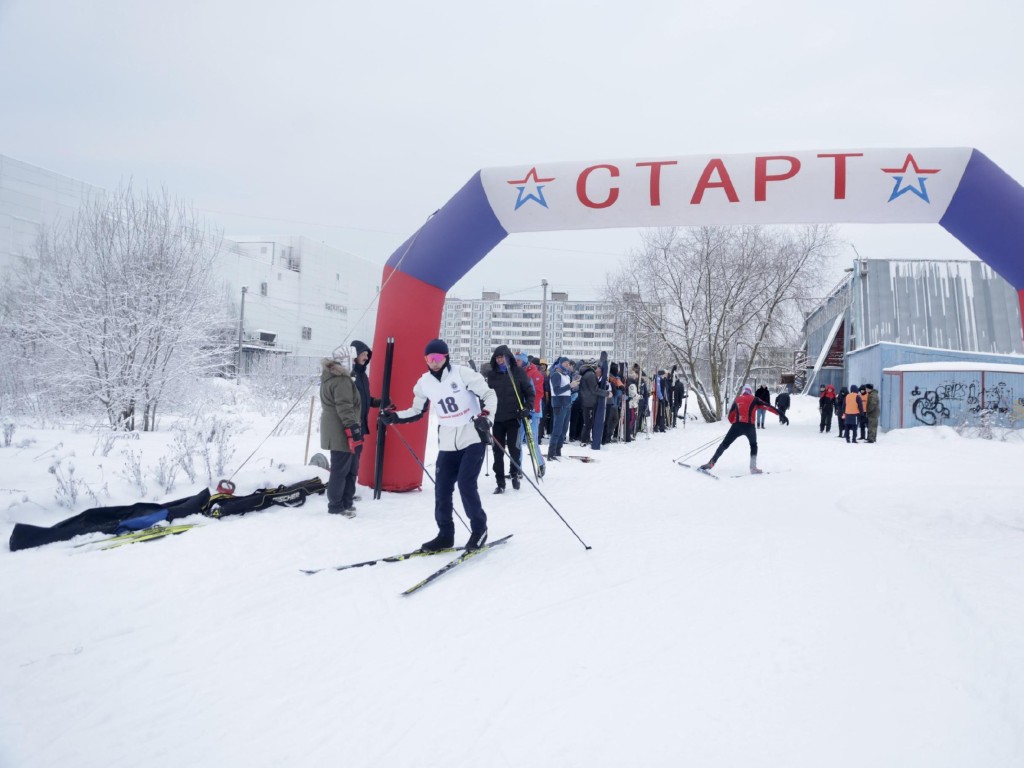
{"x": 958, "y": 188}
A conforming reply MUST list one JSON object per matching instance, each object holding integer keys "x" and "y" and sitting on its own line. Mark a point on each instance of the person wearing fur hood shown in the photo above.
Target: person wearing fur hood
{"x": 340, "y": 433}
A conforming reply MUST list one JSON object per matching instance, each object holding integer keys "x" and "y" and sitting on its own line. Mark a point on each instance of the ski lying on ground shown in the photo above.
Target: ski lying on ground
{"x": 147, "y": 534}
{"x": 704, "y": 472}
{"x": 584, "y": 459}
{"x": 762, "y": 472}
{"x": 457, "y": 561}
{"x": 388, "y": 559}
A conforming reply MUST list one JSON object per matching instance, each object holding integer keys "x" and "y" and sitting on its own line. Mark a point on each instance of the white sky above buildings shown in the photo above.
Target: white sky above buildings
{"x": 352, "y": 123}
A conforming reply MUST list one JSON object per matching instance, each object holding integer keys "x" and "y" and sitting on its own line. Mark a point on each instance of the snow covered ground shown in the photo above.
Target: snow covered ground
{"x": 859, "y": 606}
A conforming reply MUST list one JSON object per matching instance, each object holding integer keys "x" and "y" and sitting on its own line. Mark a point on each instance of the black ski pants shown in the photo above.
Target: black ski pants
{"x": 341, "y": 485}
{"x": 740, "y": 428}
{"x": 506, "y": 433}
{"x": 826, "y": 419}
{"x": 462, "y": 467}
{"x": 588, "y": 423}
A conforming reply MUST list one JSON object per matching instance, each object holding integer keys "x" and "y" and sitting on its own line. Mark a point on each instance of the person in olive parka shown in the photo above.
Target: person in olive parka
{"x": 341, "y": 433}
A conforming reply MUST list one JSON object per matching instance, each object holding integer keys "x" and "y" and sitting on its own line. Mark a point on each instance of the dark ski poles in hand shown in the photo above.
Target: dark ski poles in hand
{"x": 385, "y": 401}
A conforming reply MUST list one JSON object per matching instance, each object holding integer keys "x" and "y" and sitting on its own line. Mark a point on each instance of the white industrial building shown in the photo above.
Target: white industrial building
{"x": 303, "y": 299}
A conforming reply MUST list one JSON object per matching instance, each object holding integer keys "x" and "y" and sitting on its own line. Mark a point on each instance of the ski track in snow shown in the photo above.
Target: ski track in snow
{"x": 861, "y": 608}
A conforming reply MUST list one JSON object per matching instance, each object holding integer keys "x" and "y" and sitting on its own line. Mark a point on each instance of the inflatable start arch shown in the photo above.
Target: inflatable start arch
{"x": 957, "y": 188}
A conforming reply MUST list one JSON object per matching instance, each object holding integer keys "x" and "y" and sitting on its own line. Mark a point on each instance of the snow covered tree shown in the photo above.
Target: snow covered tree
{"x": 721, "y": 299}
{"x": 120, "y": 306}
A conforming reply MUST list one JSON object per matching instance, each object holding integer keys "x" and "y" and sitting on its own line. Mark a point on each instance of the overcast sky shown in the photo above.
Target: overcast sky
{"x": 351, "y": 122}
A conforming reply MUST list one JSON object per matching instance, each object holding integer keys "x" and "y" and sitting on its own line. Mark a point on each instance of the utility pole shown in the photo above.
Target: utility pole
{"x": 544, "y": 319}
{"x": 241, "y": 324}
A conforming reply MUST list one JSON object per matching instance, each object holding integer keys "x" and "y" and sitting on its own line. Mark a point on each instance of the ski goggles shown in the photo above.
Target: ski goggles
{"x": 436, "y": 358}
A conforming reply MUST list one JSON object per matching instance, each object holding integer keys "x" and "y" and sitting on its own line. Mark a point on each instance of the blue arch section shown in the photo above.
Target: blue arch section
{"x": 986, "y": 214}
{"x": 452, "y": 240}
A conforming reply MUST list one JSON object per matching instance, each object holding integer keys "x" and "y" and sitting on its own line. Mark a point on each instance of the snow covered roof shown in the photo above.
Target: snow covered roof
{"x": 958, "y": 365}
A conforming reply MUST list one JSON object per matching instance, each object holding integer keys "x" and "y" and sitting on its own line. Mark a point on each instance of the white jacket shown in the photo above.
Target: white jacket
{"x": 451, "y": 438}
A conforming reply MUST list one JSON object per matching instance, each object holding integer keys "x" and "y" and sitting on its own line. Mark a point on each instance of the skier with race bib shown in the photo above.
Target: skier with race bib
{"x": 455, "y": 393}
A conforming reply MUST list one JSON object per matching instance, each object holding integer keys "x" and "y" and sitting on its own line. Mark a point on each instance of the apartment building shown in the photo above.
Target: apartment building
{"x": 577, "y": 329}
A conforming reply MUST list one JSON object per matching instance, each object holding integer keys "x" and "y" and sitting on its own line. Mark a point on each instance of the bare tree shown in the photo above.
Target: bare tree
{"x": 120, "y": 305}
{"x": 721, "y": 299}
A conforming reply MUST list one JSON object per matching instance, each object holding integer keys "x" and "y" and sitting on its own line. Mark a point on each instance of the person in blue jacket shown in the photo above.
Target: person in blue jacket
{"x": 561, "y": 403}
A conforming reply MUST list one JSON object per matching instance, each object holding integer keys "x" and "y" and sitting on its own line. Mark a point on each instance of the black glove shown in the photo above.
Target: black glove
{"x": 389, "y": 415}
{"x": 524, "y": 413}
{"x": 483, "y": 427}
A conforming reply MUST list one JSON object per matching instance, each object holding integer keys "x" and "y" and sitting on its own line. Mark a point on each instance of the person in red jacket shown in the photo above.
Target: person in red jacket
{"x": 742, "y": 416}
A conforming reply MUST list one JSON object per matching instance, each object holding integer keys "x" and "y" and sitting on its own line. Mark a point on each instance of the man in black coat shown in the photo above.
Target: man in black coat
{"x": 514, "y": 390}
{"x": 359, "y": 365}
{"x": 763, "y": 394}
{"x": 678, "y": 395}
{"x": 362, "y": 382}
{"x": 588, "y": 391}
{"x": 782, "y": 405}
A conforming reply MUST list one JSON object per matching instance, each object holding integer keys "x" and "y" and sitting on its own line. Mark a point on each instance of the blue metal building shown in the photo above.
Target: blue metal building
{"x": 890, "y": 313}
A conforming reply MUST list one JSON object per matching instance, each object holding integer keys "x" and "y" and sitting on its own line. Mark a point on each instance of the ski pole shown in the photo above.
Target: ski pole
{"x": 526, "y": 430}
{"x": 512, "y": 461}
{"x": 423, "y": 466}
{"x": 698, "y": 449}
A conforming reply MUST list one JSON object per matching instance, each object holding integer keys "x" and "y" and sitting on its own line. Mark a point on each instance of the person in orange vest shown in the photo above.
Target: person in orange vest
{"x": 854, "y": 410}
{"x": 742, "y": 416}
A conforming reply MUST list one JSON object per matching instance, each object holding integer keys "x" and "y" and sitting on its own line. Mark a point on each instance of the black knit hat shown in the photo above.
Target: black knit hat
{"x": 437, "y": 346}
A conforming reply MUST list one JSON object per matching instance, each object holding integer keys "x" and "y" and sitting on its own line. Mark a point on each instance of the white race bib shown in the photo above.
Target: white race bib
{"x": 452, "y": 403}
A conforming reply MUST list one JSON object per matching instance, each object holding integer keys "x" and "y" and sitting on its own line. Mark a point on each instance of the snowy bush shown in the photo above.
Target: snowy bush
{"x": 988, "y": 424}
{"x": 69, "y": 487}
{"x": 183, "y": 448}
{"x": 133, "y": 470}
{"x": 165, "y": 473}
{"x": 218, "y": 448}
{"x": 104, "y": 443}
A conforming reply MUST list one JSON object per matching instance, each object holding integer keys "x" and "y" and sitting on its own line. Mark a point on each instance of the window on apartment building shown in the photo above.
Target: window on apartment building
{"x": 307, "y": 333}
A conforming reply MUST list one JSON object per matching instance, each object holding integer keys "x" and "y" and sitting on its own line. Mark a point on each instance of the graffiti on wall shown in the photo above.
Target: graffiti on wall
{"x": 936, "y": 406}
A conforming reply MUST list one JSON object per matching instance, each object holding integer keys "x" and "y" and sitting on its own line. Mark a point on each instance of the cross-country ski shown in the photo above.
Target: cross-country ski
{"x": 467, "y": 555}
{"x": 388, "y": 559}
